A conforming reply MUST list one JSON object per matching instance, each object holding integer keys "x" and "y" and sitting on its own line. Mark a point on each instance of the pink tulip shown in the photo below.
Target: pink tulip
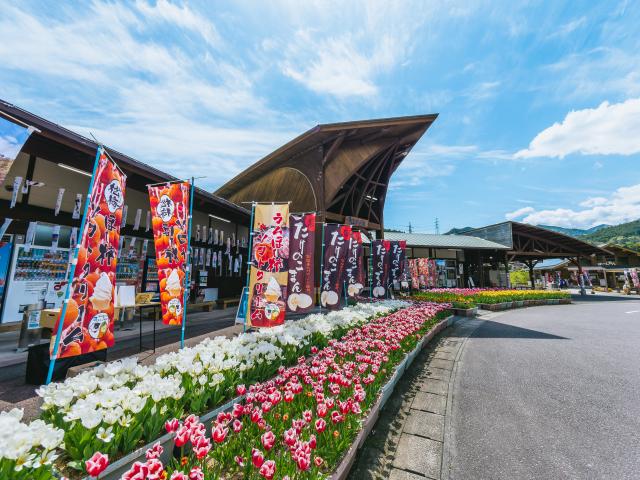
{"x": 268, "y": 469}
{"x": 138, "y": 471}
{"x": 219, "y": 434}
{"x": 155, "y": 451}
{"x": 172, "y": 425}
{"x": 268, "y": 440}
{"x": 241, "y": 389}
{"x": 178, "y": 476}
{"x": 155, "y": 469}
{"x": 182, "y": 436}
{"x": 257, "y": 458}
{"x": 196, "y": 473}
{"x": 321, "y": 425}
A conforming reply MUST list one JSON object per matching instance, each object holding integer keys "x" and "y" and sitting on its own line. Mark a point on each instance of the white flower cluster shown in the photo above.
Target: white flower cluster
{"x": 29, "y": 446}
{"x": 113, "y": 393}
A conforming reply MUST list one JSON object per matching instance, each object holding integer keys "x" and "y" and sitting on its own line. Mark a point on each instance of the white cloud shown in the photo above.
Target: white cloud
{"x": 609, "y": 129}
{"x": 623, "y": 205}
{"x": 518, "y": 213}
{"x": 181, "y": 16}
{"x": 568, "y": 28}
{"x": 341, "y": 49}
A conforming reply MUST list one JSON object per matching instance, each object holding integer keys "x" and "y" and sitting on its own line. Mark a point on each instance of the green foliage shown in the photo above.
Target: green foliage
{"x": 519, "y": 277}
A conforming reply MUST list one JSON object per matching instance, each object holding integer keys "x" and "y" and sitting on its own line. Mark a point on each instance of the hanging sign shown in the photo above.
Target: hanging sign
{"x": 148, "y": 222}
{"x": 333, "y": 270}
{"x": 354, "y": 267}
{"x": 170, "y": 220}
{"x": 396, "y": 259}
{"x": 12, "y": 139}
{"x": 77, "y": 207}
{"x": 136, "y": 220}
{"x": 380, "y": 258}
{"x": 268, "y": 272}
{"x": 59, "y": 201}
{"x": 88, "y": 321}
{"x": 17, "y": 181}
{"x": 301, "y": 248}
{"x": 413, "y": 273}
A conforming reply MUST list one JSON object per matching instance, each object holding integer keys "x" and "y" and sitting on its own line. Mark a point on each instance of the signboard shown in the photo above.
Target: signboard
{"x": 12, "y": 139}
{"x": 354, "y": 270}
{"x": 380, "y": 259}
{"x": 88, "y": 324}
{"x": 301, "y": 249}
{"x": 241, "y": 314}
{"x": 396, "y": 259}
{"x": 269, "y": 266}
{"x": 335, "y": 258}
{"x": 170, "y": 223}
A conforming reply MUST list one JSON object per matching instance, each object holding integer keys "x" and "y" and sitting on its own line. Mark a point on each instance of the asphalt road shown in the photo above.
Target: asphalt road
{"x": 550, "y": 393}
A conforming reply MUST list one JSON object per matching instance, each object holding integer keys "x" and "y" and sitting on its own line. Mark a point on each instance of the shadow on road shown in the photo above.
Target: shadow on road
{"x": 598, "y": 297}
{"x": 491, "y": 329}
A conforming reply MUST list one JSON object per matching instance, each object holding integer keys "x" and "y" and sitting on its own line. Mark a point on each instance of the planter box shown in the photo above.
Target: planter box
{"x": 518, "y": 304}
{"x": 344, "y": 467}
{"x": 116, "y": 469}
{"x": 465, "y": 312}
{"x": 565, "y": 301}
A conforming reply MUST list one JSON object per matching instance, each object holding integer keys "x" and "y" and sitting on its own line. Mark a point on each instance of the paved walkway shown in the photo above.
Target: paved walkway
{"x": 407, "y": 441}
{"x": 542, "y": 392}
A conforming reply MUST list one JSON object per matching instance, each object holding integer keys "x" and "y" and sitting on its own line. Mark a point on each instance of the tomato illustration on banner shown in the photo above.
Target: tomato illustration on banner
{"x": 354, "y": 266}
{"x": 335, "y": 258}
{"x": 380, "y": 258}
{"x": 269, "y": 266}
{"x": 88, "y": 320}
{"x": 301, "y": 249}
{"x": 170, "y": 221}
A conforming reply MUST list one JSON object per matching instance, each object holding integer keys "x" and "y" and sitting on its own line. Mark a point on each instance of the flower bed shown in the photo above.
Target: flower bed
{"x": 119, "y": 406}
{"x": 476, "y": 296}
{"x": 300, "y": 423}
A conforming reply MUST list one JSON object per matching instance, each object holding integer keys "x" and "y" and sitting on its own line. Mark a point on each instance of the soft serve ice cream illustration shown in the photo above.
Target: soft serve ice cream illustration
{"x": 174, "y": 286}
{"x": 102, "y": 293}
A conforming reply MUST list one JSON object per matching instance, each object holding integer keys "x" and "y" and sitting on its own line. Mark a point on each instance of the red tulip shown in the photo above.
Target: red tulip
{"x": 178, "y": 476}
{"x": 96, "y": 464}
{"x": 138, "y": 471}
{"x": 268, "y": 440}
{"x": 196, "y": 473}
{"x": 268, "y": 469}
{"x": 322, "y": 410}
{"x": 182, "y": 436}
{"x": 237, "y": 426}
{"x": 320, "y": 425}
{"x": 155, "y": 451}
{"x": 219, "y": 434}
{"x": 172, "y": 425}
{"x": 312, "y": 441}
{"x": 290, "y": 437}
{"x": 257, "y": 458}
{"x": 241, "y": 389}
{"x": 155, "y": 469}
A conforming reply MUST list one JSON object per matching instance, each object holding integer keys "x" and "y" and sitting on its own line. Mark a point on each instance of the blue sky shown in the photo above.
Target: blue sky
{"x": 539, "y": 102}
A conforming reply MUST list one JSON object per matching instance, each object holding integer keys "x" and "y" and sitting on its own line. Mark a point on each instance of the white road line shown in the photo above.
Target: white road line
{"x": 633, "y": 311}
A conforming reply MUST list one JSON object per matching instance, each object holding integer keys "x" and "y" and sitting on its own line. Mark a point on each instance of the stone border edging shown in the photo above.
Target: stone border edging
{"x": 497, "y": 307}
{"x": 344, "y": 467}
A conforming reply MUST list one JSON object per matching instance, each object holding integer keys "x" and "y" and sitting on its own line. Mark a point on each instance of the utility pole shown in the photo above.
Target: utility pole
{"x": 410, "y": 229}
{"x": 437, "y": 224}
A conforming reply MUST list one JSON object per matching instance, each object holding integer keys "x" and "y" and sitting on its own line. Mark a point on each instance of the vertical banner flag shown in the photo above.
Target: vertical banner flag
{"x": 396, "y": 259}
{"x": 335, "y": 258}
{"x": 269, "y": 265}
{"x": 413, "y": 273}
{"x": 301, "y": 248}
{"x": 12, "y": 139}
{"x": 88, "y": 320}
{"x": 354, "y": 270}
{"x": 380, "y": 258}
{"x": 170, "y": 223}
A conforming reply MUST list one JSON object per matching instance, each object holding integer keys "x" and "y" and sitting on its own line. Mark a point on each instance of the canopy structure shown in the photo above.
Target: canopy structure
{"x": 340, "y": 170}
{"x": 531, "y": 244}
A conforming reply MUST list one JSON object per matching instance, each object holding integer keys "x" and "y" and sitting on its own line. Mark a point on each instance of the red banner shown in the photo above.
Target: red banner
{"x": 335, "y": 258}
{"x": 268, "y": 277}
{"x": 354, "y": 267}
{"x": 301, "y": 248}
{"x": 88, "y": 320}
{"x": 413, "y": 272}
{"x": 170, "y": 220}
{"x": 380, "y": 259}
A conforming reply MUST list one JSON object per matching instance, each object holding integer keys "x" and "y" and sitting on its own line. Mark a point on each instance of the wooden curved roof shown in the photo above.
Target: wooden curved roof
{"x": 339, "y": 169}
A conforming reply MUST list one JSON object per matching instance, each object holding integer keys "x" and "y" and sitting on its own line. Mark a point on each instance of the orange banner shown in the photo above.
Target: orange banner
{"x": 170, "y": 220}
{"x": 88, "y": 321}
{"x": 269, "y": 269}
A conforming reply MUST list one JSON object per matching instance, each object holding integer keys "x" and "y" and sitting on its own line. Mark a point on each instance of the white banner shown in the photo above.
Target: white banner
{"x": 59, "y": 201}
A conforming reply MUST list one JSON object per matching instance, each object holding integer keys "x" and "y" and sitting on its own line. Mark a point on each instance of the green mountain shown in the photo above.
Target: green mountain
{"x": 575, "y": 232}
{"x": 458, "y": 231}
{"x": 625, "y": 234}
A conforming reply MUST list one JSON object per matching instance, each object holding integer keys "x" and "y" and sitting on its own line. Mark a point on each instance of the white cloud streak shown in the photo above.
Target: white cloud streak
{"x": 609, "y": 129}
{"x": 623, "y": 205}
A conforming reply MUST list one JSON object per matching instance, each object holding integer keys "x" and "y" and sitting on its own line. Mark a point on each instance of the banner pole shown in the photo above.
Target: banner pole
{"x": 72, "y": 271}
{"x": 249, "y": 261}
{"x": 344, "y": 288}
{"x": 321, "y": 266}
{"x": 370, "y": 275}
{"x": 187, "y": 277}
